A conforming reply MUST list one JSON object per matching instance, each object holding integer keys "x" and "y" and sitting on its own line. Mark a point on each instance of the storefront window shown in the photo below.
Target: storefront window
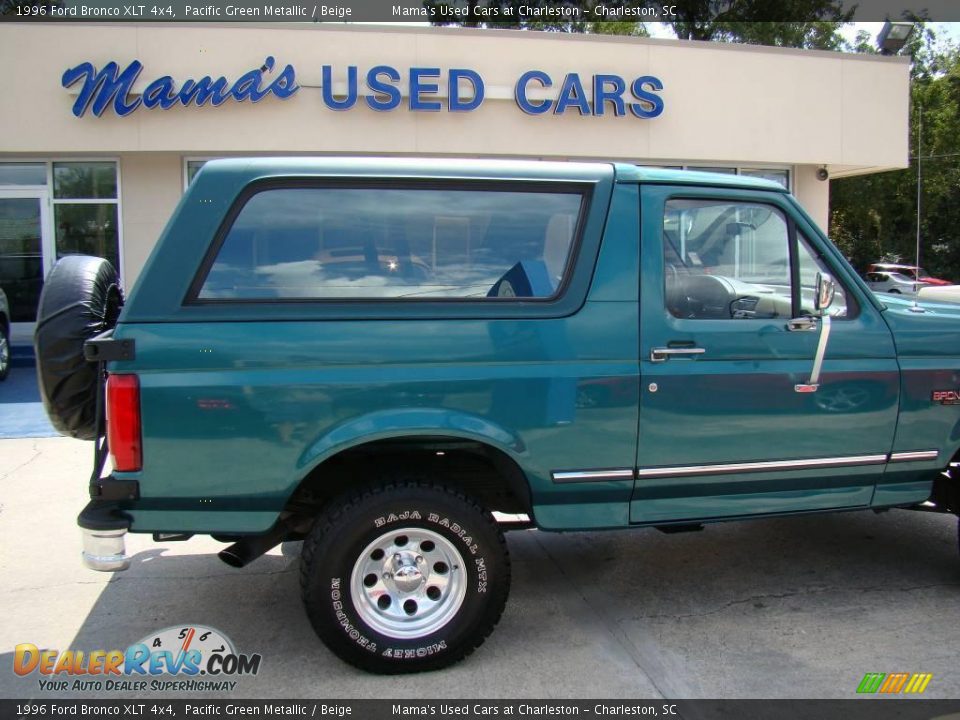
{"x": 721, "y": 170}
{"x": 778, "y": 176}
{"x": 87, "y": 229}
{"x": 193, "y": 167}
{"x": 83, "y": 180}
{"x": 23, "y": 174}
{"x": 49, "y": 209}
{"x": 85, "y": 212}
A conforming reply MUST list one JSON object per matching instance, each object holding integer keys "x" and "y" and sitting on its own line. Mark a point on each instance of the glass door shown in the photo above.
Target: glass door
{"x": 26, "y": 255}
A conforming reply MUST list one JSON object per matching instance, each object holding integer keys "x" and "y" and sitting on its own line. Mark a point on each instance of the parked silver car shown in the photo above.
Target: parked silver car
{"x": 4, "y": 336}
{"x": 892, "y": 282}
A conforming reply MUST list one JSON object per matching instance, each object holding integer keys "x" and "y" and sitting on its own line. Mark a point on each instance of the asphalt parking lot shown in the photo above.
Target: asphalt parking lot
{"x": 794, "y": 608}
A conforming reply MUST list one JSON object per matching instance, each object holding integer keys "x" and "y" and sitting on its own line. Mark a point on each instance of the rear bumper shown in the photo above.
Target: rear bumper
{"x": 104, "y": 527}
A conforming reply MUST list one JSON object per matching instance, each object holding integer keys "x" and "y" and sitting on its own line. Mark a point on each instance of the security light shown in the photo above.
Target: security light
{"x": 893, "y": 37}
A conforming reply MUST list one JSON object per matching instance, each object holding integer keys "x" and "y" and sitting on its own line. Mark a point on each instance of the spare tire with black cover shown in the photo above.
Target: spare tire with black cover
{"x": 80, "y": 299}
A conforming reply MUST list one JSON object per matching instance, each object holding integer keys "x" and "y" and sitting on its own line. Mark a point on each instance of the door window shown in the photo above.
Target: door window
{"x": 726, "y": 260}
{"x": 730, "y": 260}
{"x": 810, "y": 264}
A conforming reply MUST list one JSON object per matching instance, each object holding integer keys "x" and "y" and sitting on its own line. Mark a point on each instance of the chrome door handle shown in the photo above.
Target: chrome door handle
{"x": 802, "y": 324}
{"x": 664, "y": 354}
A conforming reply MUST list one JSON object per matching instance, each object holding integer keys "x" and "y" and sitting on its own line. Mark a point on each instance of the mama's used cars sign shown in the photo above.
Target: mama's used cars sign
{"x": 381, "y": 90}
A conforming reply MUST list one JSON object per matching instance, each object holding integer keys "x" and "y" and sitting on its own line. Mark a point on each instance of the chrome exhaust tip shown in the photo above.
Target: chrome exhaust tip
{"x": 105, "y": 550}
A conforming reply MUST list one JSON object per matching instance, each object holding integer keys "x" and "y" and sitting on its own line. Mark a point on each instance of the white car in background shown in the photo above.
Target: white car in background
{"x": 941, "y": 293}
{"x": 893, "y": 282}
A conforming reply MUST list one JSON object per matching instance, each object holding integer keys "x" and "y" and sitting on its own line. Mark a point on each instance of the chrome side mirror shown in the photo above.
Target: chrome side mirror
{"x": 826, "y": 289}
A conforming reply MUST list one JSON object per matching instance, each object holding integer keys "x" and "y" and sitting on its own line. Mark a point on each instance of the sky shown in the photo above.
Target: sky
{"x": 945, "y": 30}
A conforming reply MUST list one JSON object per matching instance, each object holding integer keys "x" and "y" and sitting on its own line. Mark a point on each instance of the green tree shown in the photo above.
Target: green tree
{"x": 759, "y": 22}
{"x": 517, "y": 15}
{"x": 873, "y": 216}
{"x": 748, "y": 21}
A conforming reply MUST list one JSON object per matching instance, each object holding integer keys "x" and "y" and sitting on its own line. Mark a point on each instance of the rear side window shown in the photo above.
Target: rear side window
{"x": 325, "y": 243}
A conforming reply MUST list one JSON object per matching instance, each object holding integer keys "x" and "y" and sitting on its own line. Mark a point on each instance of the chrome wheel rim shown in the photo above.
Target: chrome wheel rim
{"x": 408, "y": 583}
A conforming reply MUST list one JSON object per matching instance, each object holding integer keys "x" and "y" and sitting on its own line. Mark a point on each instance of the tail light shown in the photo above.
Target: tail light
{"x": 123, "y": 422}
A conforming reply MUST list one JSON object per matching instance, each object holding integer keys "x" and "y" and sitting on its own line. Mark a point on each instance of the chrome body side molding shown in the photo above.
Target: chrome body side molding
{"x": 769, "y": 466}
{"x": 615, "y": 474}
{"x": 913, "y": 456}
{"x": 603, "y": 475}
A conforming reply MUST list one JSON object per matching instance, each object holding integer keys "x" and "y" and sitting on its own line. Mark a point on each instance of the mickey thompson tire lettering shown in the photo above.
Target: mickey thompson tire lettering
{"x": 340, "y": 542}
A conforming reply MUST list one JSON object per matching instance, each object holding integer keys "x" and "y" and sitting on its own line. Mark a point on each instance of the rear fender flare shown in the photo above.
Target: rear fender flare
{"x": 410, "y": 422}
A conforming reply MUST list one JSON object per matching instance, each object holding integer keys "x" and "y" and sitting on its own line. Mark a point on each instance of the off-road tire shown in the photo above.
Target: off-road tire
{"x": 340, "y": 543}
{"x": 80, "y": 299}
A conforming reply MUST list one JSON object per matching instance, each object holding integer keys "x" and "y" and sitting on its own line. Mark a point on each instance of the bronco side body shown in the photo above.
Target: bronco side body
{"x": 376, "y": 355}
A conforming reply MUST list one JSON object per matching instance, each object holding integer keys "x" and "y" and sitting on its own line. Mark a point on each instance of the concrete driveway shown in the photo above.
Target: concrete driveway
{"x": 794, "y": 608}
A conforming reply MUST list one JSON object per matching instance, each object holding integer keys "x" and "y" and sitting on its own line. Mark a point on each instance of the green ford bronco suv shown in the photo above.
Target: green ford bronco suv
{"x": 390, "y": 358}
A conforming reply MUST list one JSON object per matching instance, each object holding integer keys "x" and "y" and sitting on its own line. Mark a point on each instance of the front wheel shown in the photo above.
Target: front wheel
{"x": 404, "y": 578}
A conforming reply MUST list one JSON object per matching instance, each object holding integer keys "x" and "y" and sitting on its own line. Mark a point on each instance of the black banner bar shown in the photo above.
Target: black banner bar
{"x": 142, "y": 709}
{"x": 495, "y": 13}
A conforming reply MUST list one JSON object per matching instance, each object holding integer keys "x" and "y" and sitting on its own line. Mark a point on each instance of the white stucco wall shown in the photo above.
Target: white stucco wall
{"x": 812, "y": 193}
{"x": 151, "y": 185}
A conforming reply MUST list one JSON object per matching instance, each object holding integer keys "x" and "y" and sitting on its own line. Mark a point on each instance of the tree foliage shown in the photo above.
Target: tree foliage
{"x": 521, "y": 15}
{"x": 873, "y": 216}
{"x": 759, "y": 22}
{"x": 748, "y": 21}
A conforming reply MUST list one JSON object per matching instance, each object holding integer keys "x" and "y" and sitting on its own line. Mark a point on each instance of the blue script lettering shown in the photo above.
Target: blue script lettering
{"x": 110, "y": 86}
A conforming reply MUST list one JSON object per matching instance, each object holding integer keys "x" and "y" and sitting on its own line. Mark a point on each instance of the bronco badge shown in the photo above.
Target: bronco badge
{"x": 946, "y": 397}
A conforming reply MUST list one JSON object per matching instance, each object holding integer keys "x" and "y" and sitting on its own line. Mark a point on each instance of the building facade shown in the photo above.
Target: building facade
{"x": 105, "y": 124}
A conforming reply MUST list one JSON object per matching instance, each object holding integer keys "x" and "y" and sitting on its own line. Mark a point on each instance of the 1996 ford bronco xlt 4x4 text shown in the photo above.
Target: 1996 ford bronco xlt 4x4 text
{"x": 376, "y": 355}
